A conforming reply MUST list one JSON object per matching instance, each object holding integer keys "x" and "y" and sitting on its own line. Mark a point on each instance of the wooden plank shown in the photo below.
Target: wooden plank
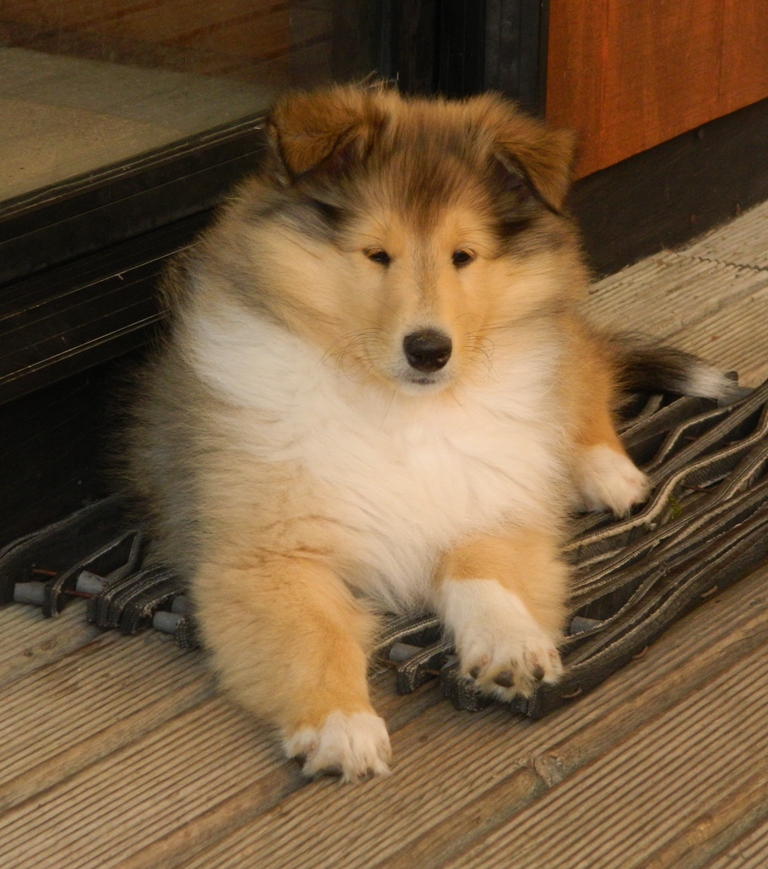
{"x": 222, "y": 809}
{"x": 253, "y": 30}
{"x": 128, "y": 31}
{"x": 641, "y": 795}
{"x": 742, "y": 242}
{"x": 660, "y": 75}
{"x": 734, "y": 338}
{"x": 715, "y": 829}
{"x": 751, "y": 850}
{"x": 28, "y": 640}
{"x": 99, "y": 816}
{"x": 456, "y": 775}
{"x": 169, "y": 21}
{"x": 173, "y": 784}
{"x": 575, "y": 73}
{"x": 229, "y": 814}
{"x": 629, "y": 75}
{"x": 698, "y": 299}
{"x": 89, "y": 698}
{"x": 496, "y": 811}
{"x": 671, "y": 292}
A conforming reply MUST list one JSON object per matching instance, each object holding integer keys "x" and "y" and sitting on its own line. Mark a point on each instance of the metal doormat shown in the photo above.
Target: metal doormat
{"x": 704, "y": 527}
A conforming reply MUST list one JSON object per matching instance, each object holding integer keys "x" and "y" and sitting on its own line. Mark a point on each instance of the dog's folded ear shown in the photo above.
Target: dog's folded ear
{"x": 542, "y": 154}
{"x": 329, "y": 127}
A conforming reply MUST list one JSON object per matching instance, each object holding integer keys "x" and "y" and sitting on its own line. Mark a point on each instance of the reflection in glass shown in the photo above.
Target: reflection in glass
{"x": 85, "y": 83}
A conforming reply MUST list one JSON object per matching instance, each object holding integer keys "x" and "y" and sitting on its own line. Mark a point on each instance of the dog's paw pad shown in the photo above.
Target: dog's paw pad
{"x": 609, "y": 480}
{"x": 519, "y": 662}
{"x": 355, "y": 747}
{"x": 500, "y": 645}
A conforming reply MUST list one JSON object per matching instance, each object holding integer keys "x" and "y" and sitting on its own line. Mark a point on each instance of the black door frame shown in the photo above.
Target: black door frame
{"x": 462, "y": 47}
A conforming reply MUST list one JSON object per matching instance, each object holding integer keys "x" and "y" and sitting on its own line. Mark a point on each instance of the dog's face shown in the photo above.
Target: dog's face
{"x": 408, "y": 239}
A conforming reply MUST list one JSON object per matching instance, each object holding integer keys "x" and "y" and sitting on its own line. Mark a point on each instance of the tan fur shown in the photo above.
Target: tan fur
{"x": 278, "y": 552}
{"x": 517, "y": 561}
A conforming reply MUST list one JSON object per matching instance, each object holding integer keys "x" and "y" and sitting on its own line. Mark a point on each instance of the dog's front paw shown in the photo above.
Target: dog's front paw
{"x": 499, "y": 643}
{"x": 609, "y": 480}
{"x": 355, "y": 746}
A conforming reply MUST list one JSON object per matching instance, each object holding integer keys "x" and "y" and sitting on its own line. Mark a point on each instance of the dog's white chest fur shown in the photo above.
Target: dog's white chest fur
{"x": 403, "y": 477}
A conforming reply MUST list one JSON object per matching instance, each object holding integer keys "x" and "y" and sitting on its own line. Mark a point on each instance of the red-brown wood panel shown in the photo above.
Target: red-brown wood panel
{"x": 629, "y": 74}
{"x": 744, "y": 67}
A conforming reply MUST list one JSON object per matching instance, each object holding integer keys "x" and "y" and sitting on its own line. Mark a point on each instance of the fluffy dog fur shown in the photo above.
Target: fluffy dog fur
{"x": 378, "y": 394}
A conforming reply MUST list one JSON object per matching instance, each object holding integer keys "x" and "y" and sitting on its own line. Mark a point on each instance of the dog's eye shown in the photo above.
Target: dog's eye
{"x": 379, "y": 256}
{"x": 461, "y": 258}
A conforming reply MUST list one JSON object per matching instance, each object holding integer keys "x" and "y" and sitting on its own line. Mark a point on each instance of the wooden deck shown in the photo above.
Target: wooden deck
{"x": 119, "y": 752}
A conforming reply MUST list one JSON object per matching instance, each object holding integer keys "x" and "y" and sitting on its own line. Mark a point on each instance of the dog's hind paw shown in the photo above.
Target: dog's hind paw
{"x": 355, "y": 747}
{"x": 609, "y": 480}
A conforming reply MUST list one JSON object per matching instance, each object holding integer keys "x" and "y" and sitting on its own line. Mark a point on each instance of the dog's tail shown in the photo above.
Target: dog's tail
{"x": 646, "y": 366}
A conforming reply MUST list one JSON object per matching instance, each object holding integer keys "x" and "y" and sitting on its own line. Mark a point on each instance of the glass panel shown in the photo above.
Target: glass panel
{"x": 86, "y": 83}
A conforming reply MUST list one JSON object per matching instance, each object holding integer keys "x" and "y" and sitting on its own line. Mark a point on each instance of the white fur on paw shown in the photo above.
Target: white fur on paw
{"x": 499, "y": 643}
{"x": 608, "y": 480}
{"x": 355, "y": 746}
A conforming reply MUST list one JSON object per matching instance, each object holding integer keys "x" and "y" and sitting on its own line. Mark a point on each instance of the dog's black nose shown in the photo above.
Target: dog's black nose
{"x": 427, "y": 350}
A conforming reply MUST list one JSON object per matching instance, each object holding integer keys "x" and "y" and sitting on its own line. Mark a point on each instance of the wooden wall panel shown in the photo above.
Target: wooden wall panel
{"x": 575, "y": 68}
{"x": 629, "y": 75}
{"x": 744, "y": 66}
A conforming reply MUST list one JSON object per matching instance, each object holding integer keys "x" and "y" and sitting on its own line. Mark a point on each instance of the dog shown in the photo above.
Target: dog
{"x": 378, "y": 394}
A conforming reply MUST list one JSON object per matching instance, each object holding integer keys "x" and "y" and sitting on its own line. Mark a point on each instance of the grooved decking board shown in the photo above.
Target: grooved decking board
{"x": 28, "y": 640}
{"x": 165, "y": 778}
{"x": 638, "y": 797}
{"x": 455, "y": 772}
{"x": 715, "y": 826}
{"x": 730, "y": 337}
{"x": 91, "y": 707}
{"x": 185, "y": 758}
{"x": 743, "y": 242}
{"x": 669, "y": 293}
{"x": 711, "y": 298}
{"x": 750, "y": 850}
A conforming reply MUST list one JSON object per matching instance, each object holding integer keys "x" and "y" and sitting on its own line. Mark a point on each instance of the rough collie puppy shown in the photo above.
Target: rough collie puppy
{"x": 377, "y": 395}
